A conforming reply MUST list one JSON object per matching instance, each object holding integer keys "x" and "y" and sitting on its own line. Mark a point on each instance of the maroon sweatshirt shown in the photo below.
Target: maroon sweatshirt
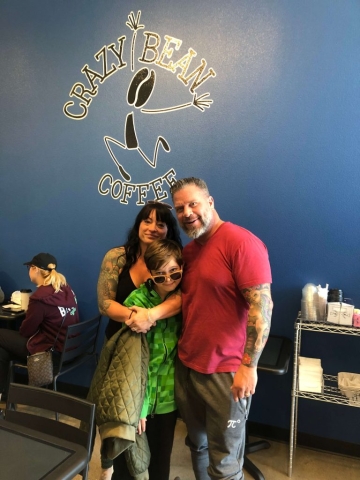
{"x": 44, "y": 316}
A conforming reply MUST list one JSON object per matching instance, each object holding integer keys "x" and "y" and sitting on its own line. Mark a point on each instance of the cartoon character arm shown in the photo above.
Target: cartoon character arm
{"x": 200, "y": 102}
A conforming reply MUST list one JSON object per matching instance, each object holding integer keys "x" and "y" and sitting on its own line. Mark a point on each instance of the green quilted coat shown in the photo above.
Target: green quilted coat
{"x": 118, "y": 389}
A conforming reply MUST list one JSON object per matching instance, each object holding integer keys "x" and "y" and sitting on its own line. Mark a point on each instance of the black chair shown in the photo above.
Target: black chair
{"x": 274, "y": 360}
{"x": 79, "y": 347}
{"x": 35, "y": 419}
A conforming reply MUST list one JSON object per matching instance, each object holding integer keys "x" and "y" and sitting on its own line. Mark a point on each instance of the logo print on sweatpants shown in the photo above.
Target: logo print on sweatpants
{"x": 232, "y": 423}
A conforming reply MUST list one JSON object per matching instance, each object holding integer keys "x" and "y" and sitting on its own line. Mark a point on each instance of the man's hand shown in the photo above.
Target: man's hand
{"x": 244, "y": 383}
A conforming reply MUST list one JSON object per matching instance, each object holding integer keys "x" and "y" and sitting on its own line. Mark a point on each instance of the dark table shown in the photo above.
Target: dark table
{"x": 26, "y": 454}
{"x": 275, "y": 360}
{"x": 11, "y": 318}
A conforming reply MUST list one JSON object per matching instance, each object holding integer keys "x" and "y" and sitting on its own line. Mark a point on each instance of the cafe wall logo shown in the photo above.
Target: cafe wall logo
{"x": 138, "y": 94}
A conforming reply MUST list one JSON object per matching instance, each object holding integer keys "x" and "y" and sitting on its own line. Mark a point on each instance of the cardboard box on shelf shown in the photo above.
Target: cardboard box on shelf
{"x": 340, "y": 313}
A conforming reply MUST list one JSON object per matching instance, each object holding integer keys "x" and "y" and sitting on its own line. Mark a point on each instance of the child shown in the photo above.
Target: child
{"x": 158, "y": 417}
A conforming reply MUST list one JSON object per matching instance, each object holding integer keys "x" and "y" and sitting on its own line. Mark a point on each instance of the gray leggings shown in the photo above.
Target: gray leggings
{"x": 216, "y": 424}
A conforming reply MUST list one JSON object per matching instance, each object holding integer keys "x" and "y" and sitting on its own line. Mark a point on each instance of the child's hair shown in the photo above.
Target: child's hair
{"x": 161, "y": 250}
{"x": 52, "y": 277}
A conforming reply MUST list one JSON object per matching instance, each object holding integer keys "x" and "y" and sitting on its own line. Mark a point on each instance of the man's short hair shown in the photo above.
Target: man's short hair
{"x": 184, "y": 182}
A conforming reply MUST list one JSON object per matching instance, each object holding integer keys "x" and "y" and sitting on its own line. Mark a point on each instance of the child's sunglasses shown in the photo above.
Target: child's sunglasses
{"x": 162, "y": 278}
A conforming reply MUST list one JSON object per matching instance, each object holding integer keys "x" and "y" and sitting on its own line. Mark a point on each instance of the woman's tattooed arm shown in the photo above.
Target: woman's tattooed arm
{"x": 110, "y": 269}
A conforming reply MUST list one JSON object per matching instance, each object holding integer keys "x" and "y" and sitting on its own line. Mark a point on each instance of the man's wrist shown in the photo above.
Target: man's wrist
{"x": 248, "y": 364}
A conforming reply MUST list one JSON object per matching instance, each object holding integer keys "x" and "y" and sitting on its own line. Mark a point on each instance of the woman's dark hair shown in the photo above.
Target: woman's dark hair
{"x": 163, "y": 214}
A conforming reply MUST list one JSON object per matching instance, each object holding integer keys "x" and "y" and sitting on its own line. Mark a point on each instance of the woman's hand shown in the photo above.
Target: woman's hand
{"x": 140, "y": 320}
{"x": 142, "y": 426}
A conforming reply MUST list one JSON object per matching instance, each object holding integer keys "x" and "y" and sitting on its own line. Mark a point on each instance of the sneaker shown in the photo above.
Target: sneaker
{"x": 106, "y": 473}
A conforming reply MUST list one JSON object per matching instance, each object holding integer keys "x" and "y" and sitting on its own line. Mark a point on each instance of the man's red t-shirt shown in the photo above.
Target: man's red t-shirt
{"x": 215, "y": 312}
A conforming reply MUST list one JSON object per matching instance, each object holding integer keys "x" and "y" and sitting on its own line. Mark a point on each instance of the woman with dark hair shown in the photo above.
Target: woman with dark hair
{"x": 122, "y": 271}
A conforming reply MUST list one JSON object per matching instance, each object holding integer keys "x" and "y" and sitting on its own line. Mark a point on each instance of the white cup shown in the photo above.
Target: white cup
{"x": 25, "y": 296}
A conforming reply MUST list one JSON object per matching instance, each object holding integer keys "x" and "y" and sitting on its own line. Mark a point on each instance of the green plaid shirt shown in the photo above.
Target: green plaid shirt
{"x": 162, "y": 339}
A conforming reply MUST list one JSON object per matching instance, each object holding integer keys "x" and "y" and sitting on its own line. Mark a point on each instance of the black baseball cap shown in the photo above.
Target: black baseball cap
{"x": 42, "y": 260}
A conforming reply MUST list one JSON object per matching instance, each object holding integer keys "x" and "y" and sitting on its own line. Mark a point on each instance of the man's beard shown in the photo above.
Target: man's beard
{"x": 196, "y": 232}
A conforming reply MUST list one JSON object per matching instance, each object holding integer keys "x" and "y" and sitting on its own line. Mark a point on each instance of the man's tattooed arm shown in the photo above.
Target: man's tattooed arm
{"x": 110, "y": 269}
{"x": 259, "y": 321}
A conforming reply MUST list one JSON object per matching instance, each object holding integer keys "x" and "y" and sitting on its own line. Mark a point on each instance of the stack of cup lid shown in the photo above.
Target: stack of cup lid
{"x": 308, "y": 306}
{"x": 313, "y": 303}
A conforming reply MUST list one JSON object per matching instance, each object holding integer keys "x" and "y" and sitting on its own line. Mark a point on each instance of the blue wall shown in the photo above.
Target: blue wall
{"x": 278, "y": 146}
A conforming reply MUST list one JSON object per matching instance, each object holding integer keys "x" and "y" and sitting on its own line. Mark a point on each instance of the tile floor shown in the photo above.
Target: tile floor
{"x": 308, "y": 464}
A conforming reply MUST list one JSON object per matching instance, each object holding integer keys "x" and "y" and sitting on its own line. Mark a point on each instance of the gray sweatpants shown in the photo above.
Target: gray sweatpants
{"x": 214, "y": 421}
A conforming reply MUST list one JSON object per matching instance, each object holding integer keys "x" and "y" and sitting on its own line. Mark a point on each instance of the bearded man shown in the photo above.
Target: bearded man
{"x": 227, "y": 307}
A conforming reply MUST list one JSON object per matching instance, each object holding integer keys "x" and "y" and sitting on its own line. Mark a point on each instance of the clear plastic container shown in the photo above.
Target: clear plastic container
{"x": 313, "y": 303}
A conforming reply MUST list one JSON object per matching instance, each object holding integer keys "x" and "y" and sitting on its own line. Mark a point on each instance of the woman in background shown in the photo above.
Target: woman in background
{"x": 51, "y": 306}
